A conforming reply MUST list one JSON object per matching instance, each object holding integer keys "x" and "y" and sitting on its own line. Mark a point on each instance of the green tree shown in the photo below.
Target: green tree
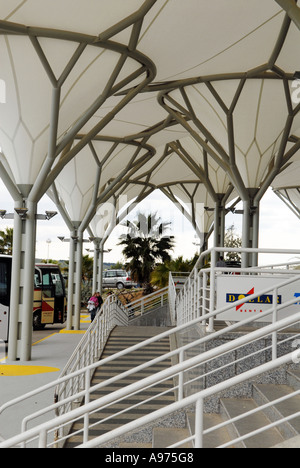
{"x": 87, "y": 269}
{"x": 160, "y": 276}
{"x": 6, "y": 241}
{"x": 234, "y": 241}
{"x": 145, "y": 245}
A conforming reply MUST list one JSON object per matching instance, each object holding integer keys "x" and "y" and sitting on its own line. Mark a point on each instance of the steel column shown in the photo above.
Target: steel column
{"x": 15, "y": 289}
{"x": 27, "y": 282}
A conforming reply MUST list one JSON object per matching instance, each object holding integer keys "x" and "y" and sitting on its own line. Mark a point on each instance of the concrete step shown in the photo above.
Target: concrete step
{"x": 288, "y": 444}
{"x": 165, "y": 437}
{"x": 264, "y": 394}
{"x": 117, "y": 414}
{"x": 233, "y": 407}
{"x": 213, "y": 439}
{"x": 293, "y": 378}
{"x": 137, "y": 446}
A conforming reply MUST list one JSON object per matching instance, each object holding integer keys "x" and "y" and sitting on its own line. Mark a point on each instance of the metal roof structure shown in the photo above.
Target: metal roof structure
{"x": 103, "y": 100}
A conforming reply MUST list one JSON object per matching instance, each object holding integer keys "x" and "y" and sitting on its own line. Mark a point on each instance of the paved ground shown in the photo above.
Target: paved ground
{"x": 51, "y": 351}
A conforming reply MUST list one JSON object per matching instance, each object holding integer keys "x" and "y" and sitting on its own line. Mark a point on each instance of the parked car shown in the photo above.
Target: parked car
{"x": 119, "y": 279}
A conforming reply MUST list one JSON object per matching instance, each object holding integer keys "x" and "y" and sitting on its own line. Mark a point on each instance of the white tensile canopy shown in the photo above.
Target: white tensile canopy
{"x": 107, "y": 99}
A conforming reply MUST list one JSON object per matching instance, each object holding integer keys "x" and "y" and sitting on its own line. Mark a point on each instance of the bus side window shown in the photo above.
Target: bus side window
{"x": 57, "y": 281}
{"x": 37, "y": 280}
{"x": 46, "y": 279}
{"x": 3, "y": 281}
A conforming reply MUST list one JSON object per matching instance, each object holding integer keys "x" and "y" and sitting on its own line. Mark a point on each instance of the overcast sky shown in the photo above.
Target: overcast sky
{"x": 279, "y": 228}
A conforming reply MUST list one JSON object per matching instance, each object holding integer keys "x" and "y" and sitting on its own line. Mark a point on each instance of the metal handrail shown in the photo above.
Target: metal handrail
{"x": 90, "y": 348}
{"x": 146, "y": 303}
{"x": 214, "y": 353}
{"x": 199, "y": 290}
{"x": 41, "y": 430}
{"x": 197, "y": 400}
{"x": 87, "y": 371}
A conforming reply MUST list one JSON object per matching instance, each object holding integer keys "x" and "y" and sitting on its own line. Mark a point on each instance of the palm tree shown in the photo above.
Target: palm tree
{"x": 160, "y": 276}
{"x": 6, "y": 241}
{"x": 144, "y": 245}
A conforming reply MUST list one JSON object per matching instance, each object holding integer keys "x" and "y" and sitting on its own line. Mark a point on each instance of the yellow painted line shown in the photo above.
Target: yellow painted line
{"x": 7, "y": 370}
{"x": 72, "y": 332}
{"x": 44, "y": 339}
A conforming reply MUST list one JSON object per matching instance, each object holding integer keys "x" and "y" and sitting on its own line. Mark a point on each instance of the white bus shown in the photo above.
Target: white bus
{"x": 49, "y": 303}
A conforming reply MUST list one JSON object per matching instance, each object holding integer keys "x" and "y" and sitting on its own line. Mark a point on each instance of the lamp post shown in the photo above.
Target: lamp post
{"x": 48, "y": 249}
{"x": 74, "y": 282}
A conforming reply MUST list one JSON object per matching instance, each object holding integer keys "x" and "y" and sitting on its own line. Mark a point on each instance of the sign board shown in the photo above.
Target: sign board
{"x": 47, "y": 317}
{"x": 231, "y": 289}
{"x": 4, "y": 318}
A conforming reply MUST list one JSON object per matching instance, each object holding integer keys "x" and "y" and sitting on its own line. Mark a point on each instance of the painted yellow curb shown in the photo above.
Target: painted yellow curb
{"x": 72, "y": 332}
{"x": 7, "y": 370}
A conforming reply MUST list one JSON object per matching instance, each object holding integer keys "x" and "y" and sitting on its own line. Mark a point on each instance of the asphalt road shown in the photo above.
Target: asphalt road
{"x": 40, "y": 335}
{"x": 48, "y": 330}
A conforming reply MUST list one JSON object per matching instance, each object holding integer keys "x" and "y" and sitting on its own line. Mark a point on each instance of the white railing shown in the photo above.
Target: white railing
{"x": 89, "y": 349}
{"x": 197, "y": 400}
{"x": 41, "y": 432}
{"x": 198, "y": 295}
{"x": 177, "y": 281}
{"x": 87, "y": 352}
{"x": 179, "y": 372}
{"x": 146, "y": 304}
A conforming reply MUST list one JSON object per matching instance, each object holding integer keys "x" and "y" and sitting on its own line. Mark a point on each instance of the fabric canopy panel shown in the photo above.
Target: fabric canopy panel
{"x": 71, "y": 15}
{"x": 202, "y": 38}
{"x": 56, "y": 79}
{"x": 214, "y": 62}
{"x": 94, "y": 175}
{"x": 287, "y": 187}
{"x": 255, "y": 140}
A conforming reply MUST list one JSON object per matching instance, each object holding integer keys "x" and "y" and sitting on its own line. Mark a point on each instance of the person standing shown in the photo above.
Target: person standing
{"x": 100, "y": 301}
{"x": 93, "y": 305}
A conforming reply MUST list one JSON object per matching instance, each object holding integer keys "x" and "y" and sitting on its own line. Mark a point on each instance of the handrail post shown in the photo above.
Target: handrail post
{"x": 181, "y": 378}
{"x": 86, "y": 402}
{"x": 212, "y": 289}
{"x": 204, "y": 293}
{"x": 43, "y": 439}
{"x": 199, "y": 426}
{"x": 274, "y": 320}
{"x": 142, "y": 306}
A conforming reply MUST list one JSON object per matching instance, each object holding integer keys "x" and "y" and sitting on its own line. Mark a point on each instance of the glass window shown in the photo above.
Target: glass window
{"x": 121, "y": 274}
{"x": 37, "y": 280}
{"x": 110, "y": 274}
{"x": 57, "y": 281}
{"x": 46, "y": 278}
{"x": 3, "y": 280}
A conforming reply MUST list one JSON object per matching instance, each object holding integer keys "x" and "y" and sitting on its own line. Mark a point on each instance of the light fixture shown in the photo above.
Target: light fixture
{"x": 50, "y": 214}
{"x": 61, "y": 238}
{"x": 2, "y": 213}
{"x": 296, "y": 75}
{"x": 22, "y": 212}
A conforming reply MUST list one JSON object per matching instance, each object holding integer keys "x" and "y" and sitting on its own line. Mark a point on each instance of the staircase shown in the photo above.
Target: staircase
{"x": 120, "y": 339}
{"x": 286, "y": 434}
{"x": 183, "y": 426}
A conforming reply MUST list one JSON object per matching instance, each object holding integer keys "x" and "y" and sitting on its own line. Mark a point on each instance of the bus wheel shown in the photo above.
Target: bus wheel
{"x": 37, "y": 321}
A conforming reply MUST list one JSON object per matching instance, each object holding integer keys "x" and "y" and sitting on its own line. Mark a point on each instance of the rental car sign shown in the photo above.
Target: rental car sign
{"x": 231, "y": 289}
